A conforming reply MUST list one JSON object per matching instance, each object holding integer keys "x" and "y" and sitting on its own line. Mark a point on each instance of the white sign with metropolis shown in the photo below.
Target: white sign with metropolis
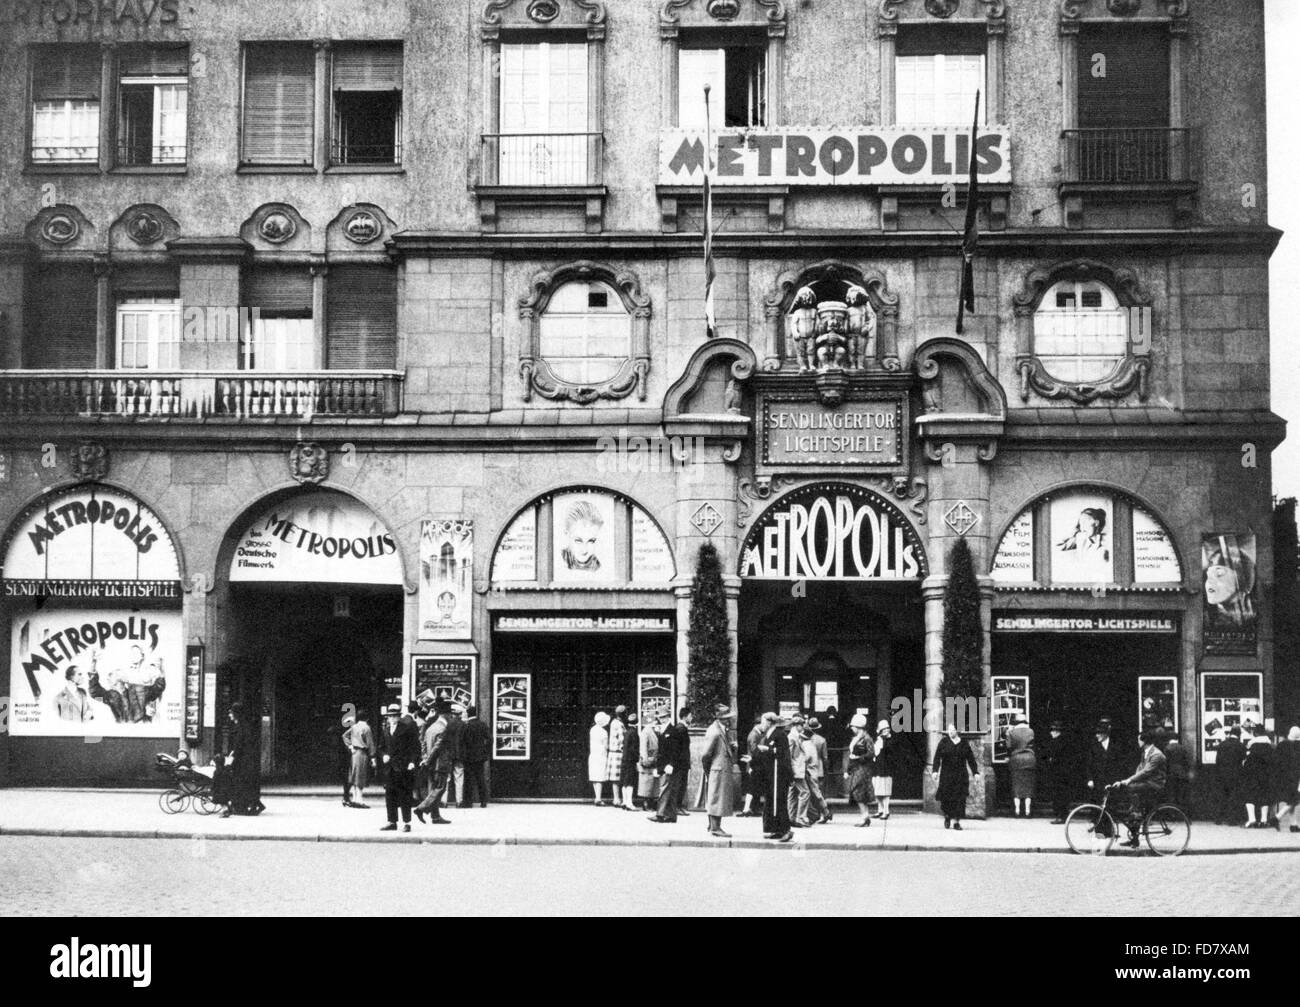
{"x": 317, "y": 538}
{"x": 96, "y": 673}
{"x": 446, "y": 579}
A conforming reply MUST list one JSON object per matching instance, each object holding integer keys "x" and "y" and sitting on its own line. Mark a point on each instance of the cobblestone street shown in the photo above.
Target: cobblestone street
{"x": 71, "y": 876}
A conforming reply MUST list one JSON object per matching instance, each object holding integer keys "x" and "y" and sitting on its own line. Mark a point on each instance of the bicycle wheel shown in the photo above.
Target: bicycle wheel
{"x": 173, "y": 801}
{"x": 204, "y": 804}
{"x": 1090, "y": 829}
{"x": 1167, "y": 830}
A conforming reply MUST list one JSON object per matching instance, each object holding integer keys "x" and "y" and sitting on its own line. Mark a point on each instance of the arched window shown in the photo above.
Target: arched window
{"x": 1080, "y": 331}
{"x": 585, "y": 332}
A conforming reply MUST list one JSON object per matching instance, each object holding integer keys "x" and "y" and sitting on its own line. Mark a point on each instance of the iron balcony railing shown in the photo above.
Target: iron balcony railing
{"x": 365, "y": 153}
{"x": 1129, "y": 156}
{"x": 42, "y": 154}
{"x": 134, "y": 155}
{"x": 196, "y": 395}
{"x": 542, "y": 159}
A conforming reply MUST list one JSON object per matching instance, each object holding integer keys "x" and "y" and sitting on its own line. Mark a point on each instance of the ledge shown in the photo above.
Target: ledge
{"x": 276, "y": 169}
{"x": 365, "y": 169}
{"x": 150, "y": 169}
{"x": 591, "y": 198}
{"x": 80, "y": 168}
{"x": 771, "y": 197}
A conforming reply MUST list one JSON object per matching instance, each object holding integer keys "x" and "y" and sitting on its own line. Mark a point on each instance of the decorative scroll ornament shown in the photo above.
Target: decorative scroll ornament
{"x": 1123, "y": 8}
{"x": 90, "y": 461}
{"x": 724, "y": 10}
{"x": 1132, "y": 374}
{"x": 144, "y": 228}
{"x": 362, "y": 227}
{"x": 60, "y": 228}
{"x": 309, "y": 462}
{"x": 543, "y": 11}
{"x": 941, "y": 8}
{"x": 277, "y": 227}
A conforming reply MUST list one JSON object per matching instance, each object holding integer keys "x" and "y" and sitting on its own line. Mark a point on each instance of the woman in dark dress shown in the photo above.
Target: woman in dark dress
{"x": 861, "y": 764}
{"x": 1257, "y": 784}
{"x": 629, "y": 772}
{"x": 952, "y": 759}
{"x": 238, "y": 784}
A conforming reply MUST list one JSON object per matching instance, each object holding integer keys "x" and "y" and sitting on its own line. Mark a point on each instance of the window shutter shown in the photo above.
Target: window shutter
{"x": 945, "y": 40}
{"x": 362, "y": 317}
{"x": 695, "y": 68}
{"x": 375, "y": 66}
{"x": 65, "y": 72}
{"x": 278, "y": 104}
{"x": 155, "y": 61}
{"x": 64, "y": 307}
{"x": 158, "y": 280}
{"x": 278, "y": 290}
{"x": 1135, "y": 91}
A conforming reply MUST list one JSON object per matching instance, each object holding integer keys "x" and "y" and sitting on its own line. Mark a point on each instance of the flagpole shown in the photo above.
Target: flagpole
{"x": 710, "y": 272}
{"x": 970, "y": 233}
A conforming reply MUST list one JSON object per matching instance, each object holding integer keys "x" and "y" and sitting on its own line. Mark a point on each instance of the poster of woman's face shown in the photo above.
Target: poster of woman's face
{"x": 1228, "y": 585}
{"x": 582, "y": 537}
{"x": 1082, "y": 539}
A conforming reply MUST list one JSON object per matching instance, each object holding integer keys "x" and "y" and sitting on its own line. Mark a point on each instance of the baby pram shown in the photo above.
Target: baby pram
{"x": 191, "y": 785}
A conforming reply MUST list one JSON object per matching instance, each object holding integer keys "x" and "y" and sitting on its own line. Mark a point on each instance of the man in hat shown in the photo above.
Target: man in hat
{"x": 1057, "y": 770}
{"x": 753, "y": 769}
{"x": 818, "y": 767}
{"x": 437, "y": 765}
{"x": 476, "y": 747}
{"x": 1104, "y": 760}
{"x": 798, "y": 797}
{"x": 719, "y": 764}
{"x": 1227, "y": 772}
{"x": 1147, "y": 785}
{"x": 402, "y": 751}
{"x": 673, "y": 763}
{"x": 456, "y": 752}
{"x": 772, "y": 756}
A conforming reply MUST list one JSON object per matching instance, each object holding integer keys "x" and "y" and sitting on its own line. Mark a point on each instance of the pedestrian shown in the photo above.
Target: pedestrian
{"x": 628, "y": 775}
{"x": 1178, "y": 768}
{"x": 360, "y": 742}
{"x": 648, "y": 750}
{"x": 1228, "y": 758}
{"x": 598, "y": 756}
{"x": 343, "y": 755}
{"x": 952, "y": 759}
{"x": 673, "y": 764}
{"x": 1147, "y": 784}
{"x": 1257, "y": 782}
{"x": 772, "y": 756}
{"x": 1058, "y": 770}
{"x": 476, "y": 749}
{"x": 886, "y": 762}
{"x": 1106, "y": 762}
{"x": 1287, "y": 779}
{"x": 819, "y": 812}
{"x": 423, "y": 715}
{"x": 748, "y": 775}
{"x": 402, "y": 750}
{"x": 241, "y": 789}
{"x": 719, "y": 764}
{"x": 614, "y": 755}
{"x": 437, "y": 765}
{"x": 455, "y": 754}
{"x": 857, "y": 775}
{"x": 1023, "y": 763}
{"x": 798, "y": 797}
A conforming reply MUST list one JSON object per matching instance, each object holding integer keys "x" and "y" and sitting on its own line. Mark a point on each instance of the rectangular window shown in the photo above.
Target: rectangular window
{"x": 544, "y": 138}
{"x": 61, "y": 310}
{"x": 362, "y": 317}
{"x": 280, "y": 334}
{"x": 367, "y": 102}
{"x": 149, "y": 333}
{"x": 65, "y": 104}
{"x": 279, "y": 83}
{"x": 737, "y": 79}
{"x": 937, "y": 73}
{"x": 153, "y": 99}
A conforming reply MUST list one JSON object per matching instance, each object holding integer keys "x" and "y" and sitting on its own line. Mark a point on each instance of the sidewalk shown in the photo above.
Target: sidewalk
{"x": 136, "y": 814}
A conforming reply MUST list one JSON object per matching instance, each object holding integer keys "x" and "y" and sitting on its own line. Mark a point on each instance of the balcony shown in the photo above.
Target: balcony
{"x": 131, "y": 155}
{"x": 541, "y": 173}
{"x": 1134, "y": 157}
{"x": 199, "y": 395}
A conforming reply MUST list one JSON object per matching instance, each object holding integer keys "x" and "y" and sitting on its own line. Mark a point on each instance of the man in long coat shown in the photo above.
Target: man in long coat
{"x": 719, "y": 764}
{"x": 401, "y": 752}
{"x": 772, "y": 755}
{"x": 673, "y": 763}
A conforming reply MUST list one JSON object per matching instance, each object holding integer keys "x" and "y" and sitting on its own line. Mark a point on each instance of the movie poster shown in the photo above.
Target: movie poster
{"x": 1083, "y": 541}
{"x": 97, "y": 673}
{"x": 445, "y": 679}
{"x": 511, "y": 716}
{"x": 446, "y": 579}
{"x": 1228, "y": 590}
{"x": 583, "y": 537}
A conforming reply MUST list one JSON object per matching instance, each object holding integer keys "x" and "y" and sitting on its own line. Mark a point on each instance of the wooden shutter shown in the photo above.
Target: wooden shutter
{"x": 945, "y": 40}
{"x": 1135, "y": 90}
{"x": 155, "y": 61}
{"x": 278, "y": 290}
{"x": 158, "y": 280}
{"x": 372, "y": 66}
{"x": 279, "y": 105}
{"x": 65, "y": 72}
{"x": 63, "y": 303}
{"x": 362, "y": 317}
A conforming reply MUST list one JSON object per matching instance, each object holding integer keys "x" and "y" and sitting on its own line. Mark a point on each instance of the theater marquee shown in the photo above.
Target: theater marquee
{"x": 801, "y": 433}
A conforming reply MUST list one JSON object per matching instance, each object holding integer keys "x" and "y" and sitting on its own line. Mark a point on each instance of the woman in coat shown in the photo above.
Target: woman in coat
{"x": 627, "y": 776}
{"x": 1286, "y": 774}
{"x": 1257, "y": 783}
{"x": 647, "y": 782}
{"x": 1023, "y": 764}
{"x": 719, "y": 765}
{"x": 598, "y": 756}
{"x": 952, "y": 759}
{"x": 886, "y": 752}
{"x": 857, "y": 774}
{"x": 614, "y": 755}
{"x": 241, "y": 784}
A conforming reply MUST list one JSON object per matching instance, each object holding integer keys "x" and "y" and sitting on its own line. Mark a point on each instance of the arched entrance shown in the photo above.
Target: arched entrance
{"x": 312, "y": 625}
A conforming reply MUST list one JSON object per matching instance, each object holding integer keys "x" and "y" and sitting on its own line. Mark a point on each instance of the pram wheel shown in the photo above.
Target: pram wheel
{"x": 205, "y": 805}
{"x": 173, "y": 801}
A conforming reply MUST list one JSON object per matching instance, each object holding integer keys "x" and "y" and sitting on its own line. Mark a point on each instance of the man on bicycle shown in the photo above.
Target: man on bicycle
{"x": 1146, "y": 786}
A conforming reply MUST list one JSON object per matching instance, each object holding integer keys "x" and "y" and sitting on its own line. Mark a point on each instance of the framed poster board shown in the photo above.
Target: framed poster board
{"x": 1010, "y": 698}
{"x": 656, "y": 694}
{"x": 1228, "y": 699}
{"x": 195, "y": 687}
{"x": 446, "y": 579}
{"x": 450, "y": 679}
{"x": 512, "y": 698}
{"x": 1158, "y": 702}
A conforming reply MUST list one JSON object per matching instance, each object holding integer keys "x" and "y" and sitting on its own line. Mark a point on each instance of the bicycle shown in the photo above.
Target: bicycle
{"x": 1091, "y": 828}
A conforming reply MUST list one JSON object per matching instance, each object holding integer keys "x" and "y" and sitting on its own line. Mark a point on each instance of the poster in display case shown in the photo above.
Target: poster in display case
{"x": 1228, "y": 699}
{"x": 1010, "y": 698}
{"x": 1158, "y": 702}
{"x": 512, "y": 697}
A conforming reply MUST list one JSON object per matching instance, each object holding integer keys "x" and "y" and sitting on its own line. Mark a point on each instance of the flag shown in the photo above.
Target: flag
{"x": 710, "y": 270}
{"x": 971, "y": 232}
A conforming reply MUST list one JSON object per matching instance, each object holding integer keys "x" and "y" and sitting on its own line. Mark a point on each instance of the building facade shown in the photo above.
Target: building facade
{"x": 359, "y": 349}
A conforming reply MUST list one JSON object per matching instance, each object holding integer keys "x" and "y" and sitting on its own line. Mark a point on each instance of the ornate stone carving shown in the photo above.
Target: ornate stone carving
{"x": 543, "y": 11}
{"x": 362, "y": 227}
{"x": 706, "y": 519}
{"x": 960, "y": 518}
{"x": 724, "y": 10}
{"x": 752, "y": 493}
{"x": 309, "y": 462}
{"x": 1123, "y": 8}
{"x": 144, "y": 228}
{"x": 682, "y": 396}
{"x": 1130, "y": 376}
{"x": 997, "y": 9}
{"x": 889, "y": 9}
{"x": 277, "y": 227}
{"x": 60, "y": 228}
{"x": 90, "y": 461}
{"x": 494, "y": 16}
{"x": 941, "y": 8}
